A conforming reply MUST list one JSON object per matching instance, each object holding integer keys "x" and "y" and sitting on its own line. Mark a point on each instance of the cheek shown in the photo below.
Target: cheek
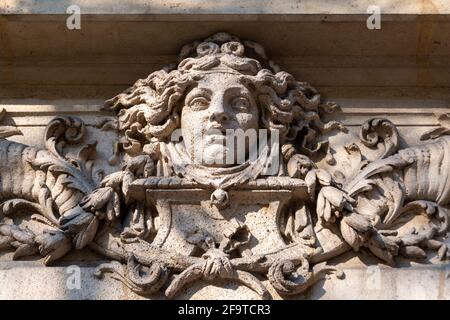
{"x": 191, "y": 121}
{"x": 192, "y": 118}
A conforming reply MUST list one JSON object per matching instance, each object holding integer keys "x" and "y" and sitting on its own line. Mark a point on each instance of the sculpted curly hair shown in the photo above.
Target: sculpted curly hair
{"x": 150, "y": 110}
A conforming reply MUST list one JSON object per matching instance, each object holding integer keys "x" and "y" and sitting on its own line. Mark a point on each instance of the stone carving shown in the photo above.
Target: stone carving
{"x": 169, "y": 218}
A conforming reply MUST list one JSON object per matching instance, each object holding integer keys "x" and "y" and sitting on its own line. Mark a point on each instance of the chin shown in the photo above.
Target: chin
{"x": 216, "y": 156}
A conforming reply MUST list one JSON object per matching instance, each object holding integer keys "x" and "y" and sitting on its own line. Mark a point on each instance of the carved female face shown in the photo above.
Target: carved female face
{"x": 218, "y": 105}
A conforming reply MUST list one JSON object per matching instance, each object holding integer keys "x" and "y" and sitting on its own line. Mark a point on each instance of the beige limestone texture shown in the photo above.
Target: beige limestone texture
{"x": 398, "y": 73}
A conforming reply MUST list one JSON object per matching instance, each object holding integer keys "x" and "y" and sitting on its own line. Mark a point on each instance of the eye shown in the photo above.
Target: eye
{"x": 199, "y": 103}
{"x": 240, "y": 103}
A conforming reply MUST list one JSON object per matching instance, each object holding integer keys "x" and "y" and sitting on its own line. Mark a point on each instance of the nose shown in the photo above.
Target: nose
{"x": 217, "y": 109}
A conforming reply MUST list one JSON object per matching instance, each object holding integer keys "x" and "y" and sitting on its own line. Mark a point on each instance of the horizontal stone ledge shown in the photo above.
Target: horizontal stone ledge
{"x": 225, "y": 6}
{"x": 125, "y": 74}
{"x": 16, "y": 92}
{"x": 34, "y": 282}
{"x": 311, "y": 61}
{"x": 329, "y": 18}
{"x": 413, "y": 42}
{"x": 27, "y": 107}
{"x": 20, "y": 107}
{"x": 357, "y": 266}
{"x": 354, "y": 112}
{"x": 349, "y": 121}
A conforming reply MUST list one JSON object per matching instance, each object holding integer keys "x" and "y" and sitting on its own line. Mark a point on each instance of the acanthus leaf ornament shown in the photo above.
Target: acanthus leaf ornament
{"x": 167, "y": 218}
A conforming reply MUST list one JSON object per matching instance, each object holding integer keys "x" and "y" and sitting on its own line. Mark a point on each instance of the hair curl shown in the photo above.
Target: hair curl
{"x": 150, "y": 110}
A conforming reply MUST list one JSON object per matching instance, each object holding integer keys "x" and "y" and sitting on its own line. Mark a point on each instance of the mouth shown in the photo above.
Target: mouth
{"x": 215, "y": 139}
{"x": 215, "y": 134}
{"x": 215, "y": 129}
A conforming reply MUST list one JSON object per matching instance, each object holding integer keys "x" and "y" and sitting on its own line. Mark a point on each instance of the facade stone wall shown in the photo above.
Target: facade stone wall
{"x": 398, "y": 72}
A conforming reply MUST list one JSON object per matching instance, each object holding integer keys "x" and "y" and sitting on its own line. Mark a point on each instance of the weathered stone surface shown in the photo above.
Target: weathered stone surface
{"x": 177, "y": 227}
{"x": 227, "y": 7}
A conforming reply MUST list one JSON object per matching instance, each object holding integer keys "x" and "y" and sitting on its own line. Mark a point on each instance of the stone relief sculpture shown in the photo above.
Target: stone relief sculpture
{"x": 169, "y": 218}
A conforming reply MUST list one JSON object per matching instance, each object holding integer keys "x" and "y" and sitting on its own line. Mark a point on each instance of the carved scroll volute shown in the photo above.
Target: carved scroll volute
{"x": 381, "y": 135}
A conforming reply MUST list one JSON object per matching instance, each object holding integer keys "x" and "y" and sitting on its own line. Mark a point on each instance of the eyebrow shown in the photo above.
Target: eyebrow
{"x": 197, "y": 91}
{"x": 241, "y": 89}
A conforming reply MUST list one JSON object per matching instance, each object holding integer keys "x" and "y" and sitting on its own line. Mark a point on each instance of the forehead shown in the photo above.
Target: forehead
{"x": 220, "y": 81}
